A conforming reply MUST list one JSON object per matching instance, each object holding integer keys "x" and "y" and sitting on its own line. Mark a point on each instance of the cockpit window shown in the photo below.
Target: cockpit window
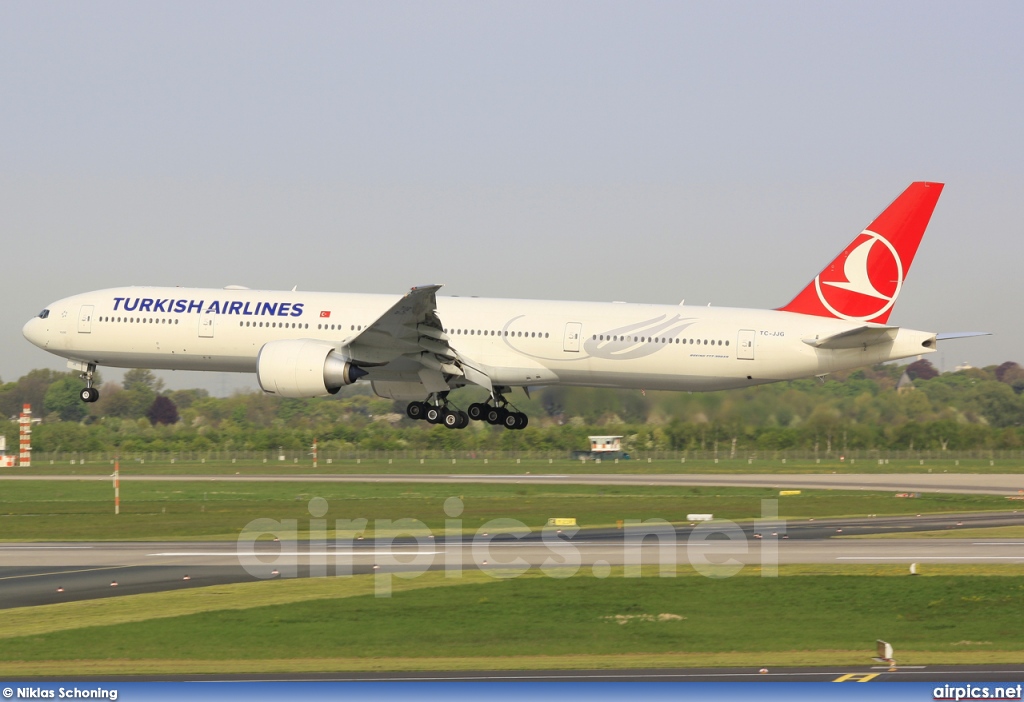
{"x": 44, "y": 314}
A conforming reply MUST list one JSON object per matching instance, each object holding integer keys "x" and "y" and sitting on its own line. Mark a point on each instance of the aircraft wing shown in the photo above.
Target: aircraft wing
{"x": 411, "y": 329}
{"x": 861, "y": 337}
{"x": 399, "y": 331}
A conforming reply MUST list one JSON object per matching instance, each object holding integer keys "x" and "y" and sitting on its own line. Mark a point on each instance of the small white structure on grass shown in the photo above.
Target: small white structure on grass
{"x": 605, "y": 444}
{"x": 5, "y": 460}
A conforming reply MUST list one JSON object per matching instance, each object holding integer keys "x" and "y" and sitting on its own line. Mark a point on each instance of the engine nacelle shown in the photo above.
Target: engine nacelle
{"x": 304, "y": 368}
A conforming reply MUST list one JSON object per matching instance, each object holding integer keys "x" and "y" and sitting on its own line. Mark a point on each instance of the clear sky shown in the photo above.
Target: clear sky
{"x": 721, "y": 152}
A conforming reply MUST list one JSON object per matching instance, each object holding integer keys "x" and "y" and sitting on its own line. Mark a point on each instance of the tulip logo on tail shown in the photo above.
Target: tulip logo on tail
{"x": 863, "y": 282}
{"x": 869, "y": 282}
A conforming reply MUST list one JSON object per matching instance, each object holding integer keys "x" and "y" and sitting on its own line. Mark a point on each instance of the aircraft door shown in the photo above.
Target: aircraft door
{"x": 85, "y": 319}
{"x": 205, "y": 325}
{"x": 571, "y": 341}
{"x": 745, "y": 347}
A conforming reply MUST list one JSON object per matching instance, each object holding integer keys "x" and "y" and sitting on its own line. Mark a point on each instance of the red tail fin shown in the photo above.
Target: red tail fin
{"x": 863, "y": 282}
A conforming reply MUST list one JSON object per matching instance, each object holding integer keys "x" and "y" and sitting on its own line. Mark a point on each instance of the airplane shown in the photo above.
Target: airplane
{"x": 419, "y": 346}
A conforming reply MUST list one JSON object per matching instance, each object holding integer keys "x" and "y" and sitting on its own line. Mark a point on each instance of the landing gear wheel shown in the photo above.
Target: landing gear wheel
{"x": 89, "y": 395}
{"x": 416, "y": 410}
{"x": 455, "y": 419}
{"x": 511, "y": 420}
{"x": 521, "y": 420}
{"x": 478, "y": 411}
{"x": 496, "y": 415}
{"x": 450, "y": 419}
{"x": 435, "y": 414}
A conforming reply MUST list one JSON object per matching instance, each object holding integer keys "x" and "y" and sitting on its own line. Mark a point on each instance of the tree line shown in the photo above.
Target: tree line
{"x": 974, "y": 408}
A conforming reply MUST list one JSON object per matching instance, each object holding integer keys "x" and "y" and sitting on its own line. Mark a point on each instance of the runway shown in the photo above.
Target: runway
{"x": 36, "y": 573}
{"x": 1009, "y": 484}
{"x": 44, "y": 573}
{"x": 853, "y": 673}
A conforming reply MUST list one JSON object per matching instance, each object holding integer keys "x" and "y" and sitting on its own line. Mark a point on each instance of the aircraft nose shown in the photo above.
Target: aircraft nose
{"x": 35, "y": 331}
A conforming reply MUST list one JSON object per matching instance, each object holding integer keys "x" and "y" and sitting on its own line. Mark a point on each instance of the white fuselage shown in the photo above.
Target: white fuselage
{"x": 516, "y": 342}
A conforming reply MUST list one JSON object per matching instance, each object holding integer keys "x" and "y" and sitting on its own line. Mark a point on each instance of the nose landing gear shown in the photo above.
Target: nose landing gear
{"x": 88, "y": 393}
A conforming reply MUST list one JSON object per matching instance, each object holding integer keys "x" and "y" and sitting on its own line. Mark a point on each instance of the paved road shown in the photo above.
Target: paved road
{"x": 867, "y": 673}
{"x": 1010, "y": 484}
{"x": 981, "y": 673}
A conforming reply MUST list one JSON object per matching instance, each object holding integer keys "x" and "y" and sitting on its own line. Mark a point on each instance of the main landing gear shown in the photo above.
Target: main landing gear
{"x": 89, "y": 393}
{"x": 498, "y": 415}
{"x": 438, "y": 411}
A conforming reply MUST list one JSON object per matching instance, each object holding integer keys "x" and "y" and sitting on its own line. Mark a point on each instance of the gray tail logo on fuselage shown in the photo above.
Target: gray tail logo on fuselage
{"x": 637, "y": 340}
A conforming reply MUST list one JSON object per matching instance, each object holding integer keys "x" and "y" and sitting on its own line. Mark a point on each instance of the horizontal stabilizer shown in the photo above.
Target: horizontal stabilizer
{"x": 861, "y": 337}
{"x": 946, "y": 336}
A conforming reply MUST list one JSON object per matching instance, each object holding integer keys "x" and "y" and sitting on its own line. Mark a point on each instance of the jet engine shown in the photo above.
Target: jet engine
{"x": 304, "y": 368}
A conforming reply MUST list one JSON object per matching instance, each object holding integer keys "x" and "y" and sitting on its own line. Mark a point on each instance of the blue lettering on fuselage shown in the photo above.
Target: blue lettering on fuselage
{"x": 227, "y": 307}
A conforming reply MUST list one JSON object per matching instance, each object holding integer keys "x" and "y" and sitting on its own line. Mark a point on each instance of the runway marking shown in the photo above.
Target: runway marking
{"x": 857, "y": 677}
{"x": 568, "y": 676}
{"x": 43, "y": 548}
{"x": 929, "y": 558}
{"x": 175, "y": 554}
{"x": 902, "y": 667}
{"x": 65, "y": 572}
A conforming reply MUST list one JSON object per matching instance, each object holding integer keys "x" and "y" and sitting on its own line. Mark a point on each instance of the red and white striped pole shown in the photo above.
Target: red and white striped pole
{"x": 25, "y": 435}
{"x": 117, "y": 485}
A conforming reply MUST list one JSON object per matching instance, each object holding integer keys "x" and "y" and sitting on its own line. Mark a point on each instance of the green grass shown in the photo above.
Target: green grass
{"x": 825, "y": 614}
{"x": 62, "y": 511}
{"x": 464, "y": 463}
